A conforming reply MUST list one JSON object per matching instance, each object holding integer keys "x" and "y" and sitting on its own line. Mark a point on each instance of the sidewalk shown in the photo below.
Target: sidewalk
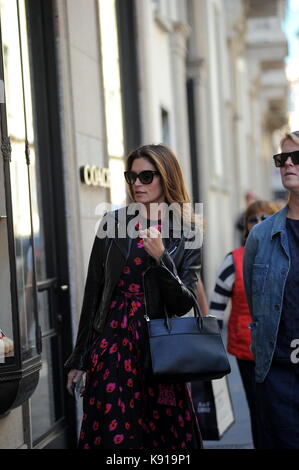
{"x": 238, "y": 436}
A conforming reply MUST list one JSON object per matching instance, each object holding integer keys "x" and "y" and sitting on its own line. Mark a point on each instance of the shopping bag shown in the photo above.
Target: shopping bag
{"x": 213, "y": 406}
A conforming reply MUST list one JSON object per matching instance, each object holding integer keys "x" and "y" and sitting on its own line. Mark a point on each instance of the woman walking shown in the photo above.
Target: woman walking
{"x": 128, "y": 277}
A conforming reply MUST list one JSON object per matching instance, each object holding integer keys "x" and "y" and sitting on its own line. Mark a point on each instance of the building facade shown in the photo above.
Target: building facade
{"x": 83, "y": 82}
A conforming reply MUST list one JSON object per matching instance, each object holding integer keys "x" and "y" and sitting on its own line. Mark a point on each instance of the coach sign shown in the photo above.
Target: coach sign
{"x": 95, "y": 176}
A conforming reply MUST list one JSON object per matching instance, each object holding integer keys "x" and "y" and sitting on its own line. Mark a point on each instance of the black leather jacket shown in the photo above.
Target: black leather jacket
{"x": 171, "y": 283}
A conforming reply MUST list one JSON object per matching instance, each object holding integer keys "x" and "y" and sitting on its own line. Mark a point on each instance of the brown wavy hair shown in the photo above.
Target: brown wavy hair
{"x": 166, "y": 163}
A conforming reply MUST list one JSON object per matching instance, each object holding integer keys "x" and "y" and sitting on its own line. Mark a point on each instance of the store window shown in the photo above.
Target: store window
{"x": 19, "y": 229}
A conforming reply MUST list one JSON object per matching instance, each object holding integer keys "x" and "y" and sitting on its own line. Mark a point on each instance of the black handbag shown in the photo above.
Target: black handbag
{"x": 184, "y": 349}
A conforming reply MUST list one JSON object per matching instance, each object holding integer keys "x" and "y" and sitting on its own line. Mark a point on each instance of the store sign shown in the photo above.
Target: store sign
{"x": 95, "y": 176}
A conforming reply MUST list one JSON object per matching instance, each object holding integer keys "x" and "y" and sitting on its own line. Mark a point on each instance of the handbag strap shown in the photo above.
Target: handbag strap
{"x": 197, "y": 313}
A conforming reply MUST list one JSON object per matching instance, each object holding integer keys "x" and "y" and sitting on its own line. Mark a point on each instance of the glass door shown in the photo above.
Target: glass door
{"x": 28, "y": 45}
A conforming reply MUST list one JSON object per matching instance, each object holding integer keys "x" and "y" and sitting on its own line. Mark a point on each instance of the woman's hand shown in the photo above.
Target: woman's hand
{"x": 73, "y": 377}
{"x": 152, "y": 242}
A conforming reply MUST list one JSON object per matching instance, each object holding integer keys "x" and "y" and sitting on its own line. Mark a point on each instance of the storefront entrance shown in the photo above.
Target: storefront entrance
{"x": 28, "y": 58}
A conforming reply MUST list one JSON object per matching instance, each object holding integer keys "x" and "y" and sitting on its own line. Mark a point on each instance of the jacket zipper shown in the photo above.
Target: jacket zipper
{"x": 173, "y": 250}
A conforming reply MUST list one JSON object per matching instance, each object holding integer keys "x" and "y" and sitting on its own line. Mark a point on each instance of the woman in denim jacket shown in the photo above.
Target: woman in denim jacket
{"x": 271, "y": 277}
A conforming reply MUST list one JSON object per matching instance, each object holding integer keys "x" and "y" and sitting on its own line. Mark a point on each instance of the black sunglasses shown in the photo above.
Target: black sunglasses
{"x": 281, "y": 158}
{"x": 255, "y": 219}
{"x": 145, "y": 177}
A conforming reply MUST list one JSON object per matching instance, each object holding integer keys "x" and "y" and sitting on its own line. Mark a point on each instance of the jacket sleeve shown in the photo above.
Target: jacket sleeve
{"x": 91, "y": 299}
{"x": 179, "y": 287}
{"x": 249, "y": 257}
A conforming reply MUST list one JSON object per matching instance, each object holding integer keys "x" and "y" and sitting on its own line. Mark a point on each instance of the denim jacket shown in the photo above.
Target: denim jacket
{"x": 266, "y": 267}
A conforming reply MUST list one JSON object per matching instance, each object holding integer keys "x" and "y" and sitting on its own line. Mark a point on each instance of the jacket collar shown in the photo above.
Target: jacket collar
{"x": 279, "y": 224}
{"x": 117, "y": 225}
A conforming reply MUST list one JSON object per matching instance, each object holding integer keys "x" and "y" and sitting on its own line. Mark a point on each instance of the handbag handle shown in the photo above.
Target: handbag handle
{"x": 197, "y": 314}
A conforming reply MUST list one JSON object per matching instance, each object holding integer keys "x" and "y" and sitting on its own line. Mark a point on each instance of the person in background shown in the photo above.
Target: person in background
{"x": 250, "y": 197}
{"x": 230, "y": 286}
{"x": 271, "y": 276}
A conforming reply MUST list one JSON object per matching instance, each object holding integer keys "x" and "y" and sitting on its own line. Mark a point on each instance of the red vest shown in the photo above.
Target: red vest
{"x": 239, "y": 337}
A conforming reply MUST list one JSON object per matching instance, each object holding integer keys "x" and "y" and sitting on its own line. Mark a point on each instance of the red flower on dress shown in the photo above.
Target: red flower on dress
{"x": 135, "y": 304}
{"x": 113, "y": 348}
{"x": 91, "y": 401}
{"x": 188, "y": 437}
{"x": 108, "y": 407}
{"x": 95, "y": 425}
{"x": 97, "y": 441}
{"x": 94, "y": 358}
{"x": 126, "y": 270}
{"x": 134, "y": 371}
{"x": 140, "y": 244}
{"x": 100, "y": 366}
{"x": 125, "y": 341}
{"x": 137, "y": 260}
{"x": 118, "y": 438}
{"x": 124, "y": 322}
{"x": 132, "y": 404}
{"x": 137, "y": 395}
{"x": 110, "y": 387}
{"x": 156, "y": 414}
{"x": 99, "y": 404}
{"x": 127, "y": 426}
{"x": 152, "y": 426}
{"x": 130, "y": 383}
{"x": 174, "y": 432}
{"x": 104, "y": 343}
{"x": 113, "y": 425}
{"x": 128, "y": 365}
{"x": 120, "y": 283}
{"x": 106, "y": 374}
{"x": 134, "y": 287}
{"x": 113, "y": 303}
{"x": 114, "y": 324}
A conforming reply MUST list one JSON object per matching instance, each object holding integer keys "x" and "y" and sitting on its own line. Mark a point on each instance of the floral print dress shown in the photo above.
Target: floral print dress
{"x": 120, "y": 410}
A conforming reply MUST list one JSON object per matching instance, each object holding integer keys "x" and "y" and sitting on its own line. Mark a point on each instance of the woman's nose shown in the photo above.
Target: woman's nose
{"x": 289, "y": 161}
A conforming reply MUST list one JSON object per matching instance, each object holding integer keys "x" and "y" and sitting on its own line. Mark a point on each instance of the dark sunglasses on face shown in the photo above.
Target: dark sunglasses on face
{"x": 255, "y": 219}
{"x": 281, "y": 158}
{"x": 145, "y": 177}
